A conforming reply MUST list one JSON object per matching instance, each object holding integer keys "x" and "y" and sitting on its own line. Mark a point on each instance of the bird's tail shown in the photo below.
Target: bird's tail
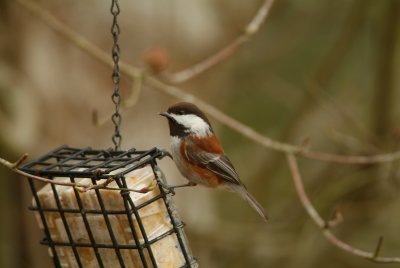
{"x": 251, "y": 200}
{"x": 257, "y": 206}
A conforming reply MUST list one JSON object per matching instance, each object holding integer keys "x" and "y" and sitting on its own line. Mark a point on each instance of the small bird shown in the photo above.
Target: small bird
{"x": 199, "y": 155}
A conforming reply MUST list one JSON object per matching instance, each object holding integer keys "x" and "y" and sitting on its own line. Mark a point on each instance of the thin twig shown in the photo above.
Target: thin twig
{"x": 378, "y": 247}
{"x": 14, "y": 167}
{"x": 324, "y": 226}
{"x": 19, "y": 161}
{"x": 220, "y": 116}
{"x": 224, "y": 53}
{"x": 136, "y": 89}
{"x": 79, "y": 186}
{"x": 335, "y": 220}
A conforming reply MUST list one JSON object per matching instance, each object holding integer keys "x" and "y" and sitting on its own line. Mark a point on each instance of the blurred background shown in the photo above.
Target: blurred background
{"x": 322, "y": 71}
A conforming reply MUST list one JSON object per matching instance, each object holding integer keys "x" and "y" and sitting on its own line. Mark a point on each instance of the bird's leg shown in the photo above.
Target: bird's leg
{"x": 170, "y": 188}
{"x": 189, "y": 184}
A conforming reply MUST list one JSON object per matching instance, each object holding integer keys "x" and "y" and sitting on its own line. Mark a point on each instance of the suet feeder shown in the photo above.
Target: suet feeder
{"x": 107, "y": 227}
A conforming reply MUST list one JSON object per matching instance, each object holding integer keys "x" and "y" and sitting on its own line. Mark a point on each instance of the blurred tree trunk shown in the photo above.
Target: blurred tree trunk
{"x": 383, "y": 102}
{"x": 13, "y": 252}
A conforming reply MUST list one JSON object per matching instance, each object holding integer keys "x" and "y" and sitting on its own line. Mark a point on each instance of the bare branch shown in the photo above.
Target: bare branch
{"x": 226, "y": 52}
{"x": 265, "y": 141}
{"x": 14, "y": 167}
{"x": 305, "y": 201}
{"x": 79, "y": 186}
{"x": 324, "y": 226}
{"x": 220, "y": 116}
{"x": 77, "y": 39}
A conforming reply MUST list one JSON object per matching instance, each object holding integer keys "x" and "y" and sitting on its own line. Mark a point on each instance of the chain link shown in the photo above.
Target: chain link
{"x": 116, "y": 97}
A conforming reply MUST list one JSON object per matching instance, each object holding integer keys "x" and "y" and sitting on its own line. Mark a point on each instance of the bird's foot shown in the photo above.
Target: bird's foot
{"x": 165, "y": 153}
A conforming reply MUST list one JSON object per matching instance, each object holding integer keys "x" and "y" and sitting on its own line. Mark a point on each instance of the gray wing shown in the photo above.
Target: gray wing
{"x": 219, "y": 164}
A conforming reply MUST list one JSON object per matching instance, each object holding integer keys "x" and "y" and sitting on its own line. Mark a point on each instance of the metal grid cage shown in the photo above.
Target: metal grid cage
{"x": 66, "y": 162}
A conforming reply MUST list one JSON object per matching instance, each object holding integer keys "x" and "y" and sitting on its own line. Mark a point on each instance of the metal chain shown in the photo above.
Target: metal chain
{"x": 116, "y": 97}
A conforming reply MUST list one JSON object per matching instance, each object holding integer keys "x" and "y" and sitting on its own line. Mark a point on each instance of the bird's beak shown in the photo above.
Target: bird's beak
{"x": 165, "y": 114}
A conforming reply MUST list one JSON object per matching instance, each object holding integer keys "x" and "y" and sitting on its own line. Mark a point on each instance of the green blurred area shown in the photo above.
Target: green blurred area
{"x": 323, "y": 71}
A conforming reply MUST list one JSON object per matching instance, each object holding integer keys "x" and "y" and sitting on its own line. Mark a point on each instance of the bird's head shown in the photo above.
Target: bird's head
{"x": 187, "y": 119}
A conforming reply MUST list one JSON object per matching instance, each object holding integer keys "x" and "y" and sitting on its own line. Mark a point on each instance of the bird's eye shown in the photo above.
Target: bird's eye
{"x": 181, "y": 112}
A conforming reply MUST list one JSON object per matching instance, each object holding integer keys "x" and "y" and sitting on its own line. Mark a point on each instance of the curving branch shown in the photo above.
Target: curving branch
{"x": 134, "y": 72}
{"x": 225, "y": 52}
{"x": 79, "y": 186}
{"x": 325, "y": 225}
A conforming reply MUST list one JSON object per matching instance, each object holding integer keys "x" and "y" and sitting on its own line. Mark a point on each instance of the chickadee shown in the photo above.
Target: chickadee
{"x": 198, "y": 154}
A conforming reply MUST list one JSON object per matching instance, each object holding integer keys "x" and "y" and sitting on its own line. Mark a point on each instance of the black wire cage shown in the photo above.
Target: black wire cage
{"x": 107, "y": 227}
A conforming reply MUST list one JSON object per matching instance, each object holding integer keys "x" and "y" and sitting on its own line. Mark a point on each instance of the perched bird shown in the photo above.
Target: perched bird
{"x": 199, "y": 155}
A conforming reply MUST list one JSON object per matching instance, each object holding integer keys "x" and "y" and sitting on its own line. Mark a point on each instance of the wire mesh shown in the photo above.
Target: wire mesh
{"x": 74, "y": 164}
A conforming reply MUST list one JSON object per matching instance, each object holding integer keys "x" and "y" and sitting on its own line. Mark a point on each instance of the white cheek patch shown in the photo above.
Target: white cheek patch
{"x": 193, "y": 124}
